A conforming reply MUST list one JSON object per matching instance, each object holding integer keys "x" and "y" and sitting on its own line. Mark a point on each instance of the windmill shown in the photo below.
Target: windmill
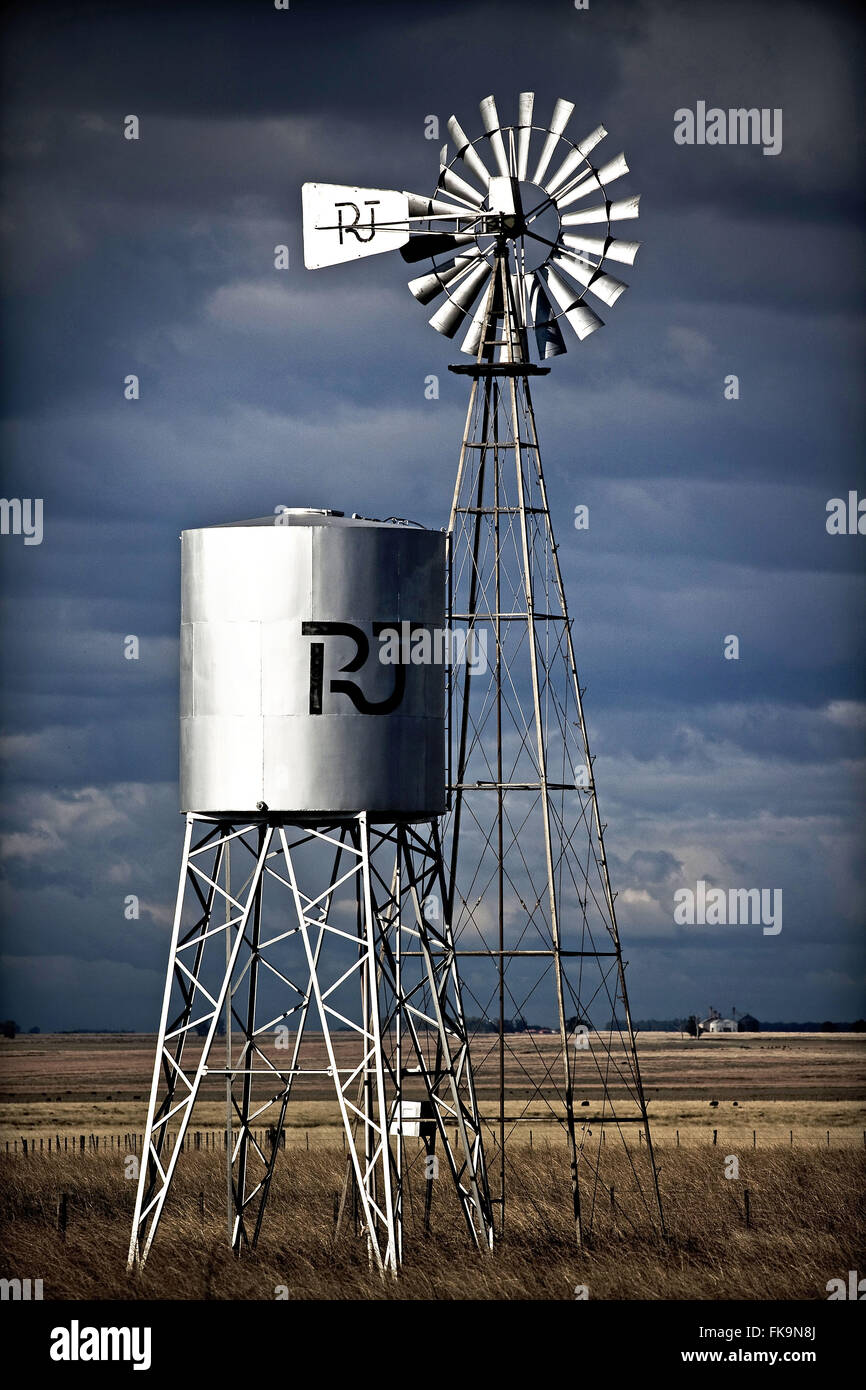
{"x": 518, "y": 233}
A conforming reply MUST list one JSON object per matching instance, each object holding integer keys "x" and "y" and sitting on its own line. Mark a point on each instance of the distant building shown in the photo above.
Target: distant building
{"x": 747, "y": 1023}
{"x": 719, "y": 1025}
{"x": 714, "y": 1023}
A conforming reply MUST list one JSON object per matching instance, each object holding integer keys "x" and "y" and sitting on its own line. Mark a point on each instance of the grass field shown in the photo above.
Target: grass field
{"x": 806, "y": 1227}
{"x": 806, "y": 1198}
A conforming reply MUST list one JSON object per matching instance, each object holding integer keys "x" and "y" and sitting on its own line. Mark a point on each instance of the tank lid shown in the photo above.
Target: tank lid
{"x": 310, "y": 511}
{"x": 314, "y": 516}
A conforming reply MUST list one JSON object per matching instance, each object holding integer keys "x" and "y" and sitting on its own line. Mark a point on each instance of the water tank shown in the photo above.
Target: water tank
{"x": 285, "y": 701}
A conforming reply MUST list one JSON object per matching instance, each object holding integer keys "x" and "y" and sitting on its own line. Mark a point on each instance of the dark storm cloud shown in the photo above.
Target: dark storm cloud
{"x": 260, "y": 388}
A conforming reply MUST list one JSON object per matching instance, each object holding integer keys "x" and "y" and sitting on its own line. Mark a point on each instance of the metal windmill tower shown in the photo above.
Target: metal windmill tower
{"x": 519, "y": 235}
{"x": 312, "y": 777}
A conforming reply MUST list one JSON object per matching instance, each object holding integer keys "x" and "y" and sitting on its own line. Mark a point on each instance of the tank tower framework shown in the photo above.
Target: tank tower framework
{"x": 520, "y": 236}
{"x": 310, "y": 952}
{"x": 407, "y": 1026}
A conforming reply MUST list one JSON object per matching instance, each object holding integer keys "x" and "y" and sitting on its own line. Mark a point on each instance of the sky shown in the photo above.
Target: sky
{"x": 262, "y": 387}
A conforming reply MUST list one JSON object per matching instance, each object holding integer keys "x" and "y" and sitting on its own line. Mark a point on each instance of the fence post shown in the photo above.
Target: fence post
{"x": 715, "y": 1135}
{"x": 748, "y": 1212}
{"x": 678, "y": 1138}
{"x": 62, "y": 1214}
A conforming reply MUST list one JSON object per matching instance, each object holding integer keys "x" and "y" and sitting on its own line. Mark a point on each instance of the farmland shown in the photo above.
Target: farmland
{"x": 771, "y": 1083}
{"x": 786, "y": 1105}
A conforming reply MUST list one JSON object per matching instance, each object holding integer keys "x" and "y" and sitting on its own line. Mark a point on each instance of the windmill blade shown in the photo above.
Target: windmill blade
{"x": 472, "y": 341}
{"x": 343, "y": 222}
{"x": 609, "y": 247}
{"x": 575, "y": 158}
{"x": 419, "y": 206}
{"x": 614, "y": 169}
{"x": 490, "y": 121}
{"x": 448, "y": 318}
{"x": 425, "y": 245}
{"x": 604, "y": 212}
{"x": 471, "y": 158}
{"x": 605, "y": 287}
{"x": 561, "y": 115}
{"x": 548, "y": 336}
{"x": 525, "y": 103}
{"x": 459, "y": 188}
{"x": 582, "y": 318}
{"x": 599, "y": 179}
{"x": 428, "y": 287}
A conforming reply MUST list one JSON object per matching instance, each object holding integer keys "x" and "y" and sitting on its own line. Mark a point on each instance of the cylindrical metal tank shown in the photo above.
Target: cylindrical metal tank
{"x": 285, "y": 702}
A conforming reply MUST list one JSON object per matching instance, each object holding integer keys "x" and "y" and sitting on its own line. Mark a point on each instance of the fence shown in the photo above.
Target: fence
{"x": 211, "y": 1140}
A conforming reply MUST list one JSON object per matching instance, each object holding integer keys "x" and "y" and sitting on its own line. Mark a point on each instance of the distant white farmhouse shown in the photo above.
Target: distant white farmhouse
{"x": 714, "y": 1023}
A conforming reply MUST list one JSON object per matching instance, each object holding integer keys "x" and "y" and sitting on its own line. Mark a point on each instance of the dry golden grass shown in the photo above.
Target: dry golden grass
{"x": 806, "y": 1227}
{"x": 317, "y": 1123}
